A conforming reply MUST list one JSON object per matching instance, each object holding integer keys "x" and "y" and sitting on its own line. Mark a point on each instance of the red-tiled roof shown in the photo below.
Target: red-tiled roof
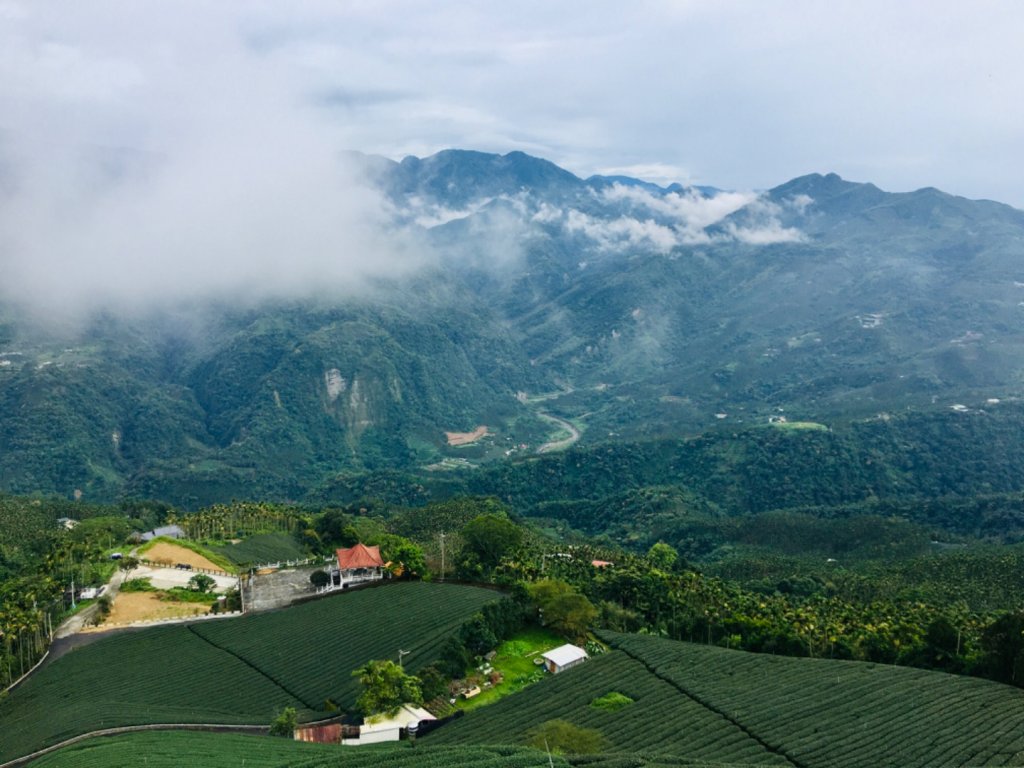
{"x": 359, "y": 556}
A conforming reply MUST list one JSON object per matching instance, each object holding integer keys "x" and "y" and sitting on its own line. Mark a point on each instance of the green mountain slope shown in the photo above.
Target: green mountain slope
{"x": 634, "y": 310}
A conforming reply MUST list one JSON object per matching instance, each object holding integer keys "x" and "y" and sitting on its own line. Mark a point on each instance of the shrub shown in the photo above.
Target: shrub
{"x": 561, "y": 736}
{"x": 284, "y": 724}
{"x": 612, "y": 701}
{"x": 137, "y": 585}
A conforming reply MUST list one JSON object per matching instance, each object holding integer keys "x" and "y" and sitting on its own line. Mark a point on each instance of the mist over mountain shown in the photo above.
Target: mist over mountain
{"x": 525, "y": 294}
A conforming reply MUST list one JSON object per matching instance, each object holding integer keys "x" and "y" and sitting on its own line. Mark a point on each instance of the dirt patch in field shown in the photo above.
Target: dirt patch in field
{"x": 146, "y": 606}
{"x": 172, "y": 554}
{"x": 465, "y": 438}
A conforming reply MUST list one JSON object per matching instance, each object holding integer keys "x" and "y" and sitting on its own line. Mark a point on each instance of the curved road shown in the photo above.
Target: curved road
{"x": 559, "y": 445}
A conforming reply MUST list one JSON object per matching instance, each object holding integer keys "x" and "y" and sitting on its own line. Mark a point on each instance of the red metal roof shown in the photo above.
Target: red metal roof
{"x": 359, "y": 556}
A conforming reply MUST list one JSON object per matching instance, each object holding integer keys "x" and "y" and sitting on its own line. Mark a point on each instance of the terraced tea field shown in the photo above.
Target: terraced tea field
{"x": 170, "y": 749}
{"x": 658, "y": 720}
{"x": 239, "y": 670}
{"x": 263, "y": 548}
{"x": 839, "y": 713}
{"x": 750, "y": 708}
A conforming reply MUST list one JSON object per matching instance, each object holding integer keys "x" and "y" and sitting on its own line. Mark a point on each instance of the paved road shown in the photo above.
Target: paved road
{"x": 559, "y": 445}
{"x": 74, "y": 624}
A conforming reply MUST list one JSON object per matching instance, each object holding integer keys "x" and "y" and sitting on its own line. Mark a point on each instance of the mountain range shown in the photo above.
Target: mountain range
{"x": 550, "y": 308}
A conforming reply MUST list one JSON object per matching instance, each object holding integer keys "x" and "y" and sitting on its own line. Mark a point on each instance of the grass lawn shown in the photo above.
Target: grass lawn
{"x": 515, "y": 662}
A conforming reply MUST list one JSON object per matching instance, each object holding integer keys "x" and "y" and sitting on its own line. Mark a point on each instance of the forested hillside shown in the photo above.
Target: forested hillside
{"x": 630, "y": 311}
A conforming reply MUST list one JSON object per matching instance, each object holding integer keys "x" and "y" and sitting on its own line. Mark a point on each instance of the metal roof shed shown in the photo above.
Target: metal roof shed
{"x": 563, "y": 657}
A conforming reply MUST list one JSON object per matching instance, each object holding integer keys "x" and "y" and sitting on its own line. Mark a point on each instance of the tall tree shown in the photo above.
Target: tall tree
{"x": 488, "y": 538}
{"x": 386, "y": 688}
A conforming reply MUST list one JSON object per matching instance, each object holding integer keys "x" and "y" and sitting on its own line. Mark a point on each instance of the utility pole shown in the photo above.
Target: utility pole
{"x": 442, "y": 555}
{"x": 402, "y": 653}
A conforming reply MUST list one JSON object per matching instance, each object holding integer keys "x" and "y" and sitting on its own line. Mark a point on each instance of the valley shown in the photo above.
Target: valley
{"x": 710, "y": 329}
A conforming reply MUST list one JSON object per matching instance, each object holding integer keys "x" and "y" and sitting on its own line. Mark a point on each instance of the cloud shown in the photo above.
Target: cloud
{"x": 690, "y": 209}
{"x": 661, "y": 222}
{"x": 133, "y": 175}
{"x": 657, "y": 173}
{"x": 428, "y": 215}
{"x": 768, "y": 234}
{"x": 761, "y": 224}
{"x": 623, "y": 231}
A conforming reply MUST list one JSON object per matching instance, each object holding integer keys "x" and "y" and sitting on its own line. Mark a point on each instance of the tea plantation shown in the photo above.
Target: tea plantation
{"x": 729, "y": 706}
{"x": 240, "y": 670}
{"x": 168, "y": 749}
{"x": 820, "y": 712}
{"x": 263, "y": 548}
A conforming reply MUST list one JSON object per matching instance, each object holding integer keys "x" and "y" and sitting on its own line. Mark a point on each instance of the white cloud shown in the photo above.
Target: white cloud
{"x": 690, "y": 209}
{"x": 150, "y": 148}
{"x": 623, "y": 231}
{"x": 762, "y": 225}
{"x": 799, "y": 203}
{"x": 169, "y": 169}
{"x": 427, "y": 215}
{"x": 682, "y": 219}
{"x": 767, "y": 234}
{"x": 657, "y": 173}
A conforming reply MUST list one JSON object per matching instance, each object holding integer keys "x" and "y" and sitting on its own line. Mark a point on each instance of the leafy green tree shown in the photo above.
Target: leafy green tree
{"x": 320, "y": 578}
{"x": 201, "y": 583}
{"x": 385, "y": 688}
{"x": 562, "y": 737}
{"x": 403, "y": 554}
{"x": 477, "y": 636}
{"x": 1003, "y": 642}
{"x": 309, "y": 539}
{"x": 432, "y": 682}
{"x": 128, "y": 564}
{"x": 488, "y": 538}
{"x": 562, "y": 608}
{"x": 453, "y": 658}
{"x": 334, "y": 528}
{"x": 662, "y": 556}
{"x": 285, "y": 722}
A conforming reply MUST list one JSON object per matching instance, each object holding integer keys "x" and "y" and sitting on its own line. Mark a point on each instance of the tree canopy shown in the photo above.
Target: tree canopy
{"x": 488, "y": 538}
{"x": 386, "y": 687}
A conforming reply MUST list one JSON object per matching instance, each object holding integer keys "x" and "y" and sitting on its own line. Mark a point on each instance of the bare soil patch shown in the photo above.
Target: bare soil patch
{"x": 465, "y": 438}
{"x": 172, "y": 554}
{"x": 146, "y": 606}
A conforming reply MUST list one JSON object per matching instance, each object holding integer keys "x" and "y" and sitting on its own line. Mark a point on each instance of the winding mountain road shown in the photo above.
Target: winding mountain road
{"x": 559, "y": 445}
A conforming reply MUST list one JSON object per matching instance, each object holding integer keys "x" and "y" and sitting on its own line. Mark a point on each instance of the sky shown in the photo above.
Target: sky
{"x": 161, "y": 144}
